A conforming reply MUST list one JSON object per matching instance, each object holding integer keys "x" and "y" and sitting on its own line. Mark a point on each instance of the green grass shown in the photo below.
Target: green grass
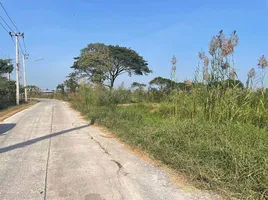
{"x": 228, "y": 155}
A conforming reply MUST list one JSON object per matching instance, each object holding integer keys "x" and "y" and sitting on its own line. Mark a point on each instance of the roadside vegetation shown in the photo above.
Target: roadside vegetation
{"x": 7, "y": 87}
{"x": 213, "y": 128}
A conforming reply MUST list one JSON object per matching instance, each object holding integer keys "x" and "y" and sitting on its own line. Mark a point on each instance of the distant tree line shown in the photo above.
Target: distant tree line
{"x": 102, "y": 64}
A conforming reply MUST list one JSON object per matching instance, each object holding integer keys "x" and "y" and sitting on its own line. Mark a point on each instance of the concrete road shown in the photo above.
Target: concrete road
{"x": 49, "y": 152}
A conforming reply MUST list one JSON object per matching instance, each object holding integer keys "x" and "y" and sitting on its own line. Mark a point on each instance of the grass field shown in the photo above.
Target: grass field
{"x": 229, "y": 156}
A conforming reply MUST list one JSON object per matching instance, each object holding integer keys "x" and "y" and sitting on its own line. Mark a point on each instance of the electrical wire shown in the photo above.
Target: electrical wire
{"x": 24, "y": 45}
{"x": 12, "y": 29}
{"x": 4, "y": 27}
{"x": 9, "y": 17}
{"x": 8, "y": 33}
{"x": 6, "y": 24}
{"x": 3, "y": 55}
{"x": 13, "y": 40}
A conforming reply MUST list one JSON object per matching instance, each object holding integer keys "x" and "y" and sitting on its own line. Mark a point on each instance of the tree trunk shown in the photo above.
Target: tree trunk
{"x": 112, "y": 82}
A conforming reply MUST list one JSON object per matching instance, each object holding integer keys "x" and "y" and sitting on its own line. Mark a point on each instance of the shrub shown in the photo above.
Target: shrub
{"x": 7, "y": 93}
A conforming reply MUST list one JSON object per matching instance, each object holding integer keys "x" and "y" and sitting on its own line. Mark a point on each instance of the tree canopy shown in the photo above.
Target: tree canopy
{"x": 5, "y": 66}
{"x": 71, "y": 83}
{"x": 166, "y": 85}
{"x": 60, "y": 88}
{"x": 140, "y": 86}
{"x": 163, "y": 84}
{"x": 103, "y": 64}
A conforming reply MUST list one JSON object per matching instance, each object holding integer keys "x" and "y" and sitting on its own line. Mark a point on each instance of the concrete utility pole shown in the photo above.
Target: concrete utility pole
{"x": 17, "y": 66}
{"x": 25, "y": 56}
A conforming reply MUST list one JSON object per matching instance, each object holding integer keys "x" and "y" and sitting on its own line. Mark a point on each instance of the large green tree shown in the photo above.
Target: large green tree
{"x": 166, "y": 85}
{"x": 103, "y": 64}
{"x": 60, "y": 88}
{"x": 5, "y": 66}
{"x": 163, "y": 84}
{"x": 71, "y": 83}
{"x": 92, "y": 62}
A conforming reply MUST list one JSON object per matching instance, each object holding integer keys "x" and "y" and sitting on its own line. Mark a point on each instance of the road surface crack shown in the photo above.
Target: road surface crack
{"x": 105, "y": 150}
{"x": 118, "y": 164}
{"x": 120, "y": 167}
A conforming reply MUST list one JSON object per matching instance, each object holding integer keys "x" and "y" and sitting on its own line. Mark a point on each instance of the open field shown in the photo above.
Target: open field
{"x": 227, "y": 156}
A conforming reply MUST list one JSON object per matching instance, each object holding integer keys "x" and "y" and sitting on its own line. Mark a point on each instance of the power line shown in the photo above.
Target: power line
{"x": 3, "y": 55}
{"x": 12, "y": 40}
{"x": 24, "y": 45}
{"x": 12, "y": 29}
{"x": 18, "y": 46}
{"x": 7, "y": 32}
{"x": 4, "y": 27}
{"x": 6, "y": 24}
{"x": 9, "y": 17}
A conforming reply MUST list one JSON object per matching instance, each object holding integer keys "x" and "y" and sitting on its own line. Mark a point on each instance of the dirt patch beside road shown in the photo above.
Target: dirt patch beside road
{"x": 14, "y": 109}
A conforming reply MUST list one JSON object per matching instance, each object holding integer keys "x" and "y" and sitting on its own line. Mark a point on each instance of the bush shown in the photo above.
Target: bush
{"x": 7, "y": 93}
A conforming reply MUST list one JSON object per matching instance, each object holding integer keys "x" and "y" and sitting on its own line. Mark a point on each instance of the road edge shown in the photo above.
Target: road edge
{"x": 9, "y": 112}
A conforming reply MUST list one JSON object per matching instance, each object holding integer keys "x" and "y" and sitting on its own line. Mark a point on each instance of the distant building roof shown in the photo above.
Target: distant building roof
{"x": 48, "y": 92}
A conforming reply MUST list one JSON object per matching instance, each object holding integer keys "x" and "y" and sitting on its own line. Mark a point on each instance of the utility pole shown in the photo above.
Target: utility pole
{"x": 25, "y": 56}
{"x": 17, "y": 66}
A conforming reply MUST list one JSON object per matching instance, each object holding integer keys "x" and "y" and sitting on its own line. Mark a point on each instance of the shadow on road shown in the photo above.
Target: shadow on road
{"x": 32, "y": 141}
{"x": 6, "y": 127}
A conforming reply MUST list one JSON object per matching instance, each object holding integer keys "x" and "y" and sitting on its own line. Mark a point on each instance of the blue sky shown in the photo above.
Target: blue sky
{"x": 57, "y": 29}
